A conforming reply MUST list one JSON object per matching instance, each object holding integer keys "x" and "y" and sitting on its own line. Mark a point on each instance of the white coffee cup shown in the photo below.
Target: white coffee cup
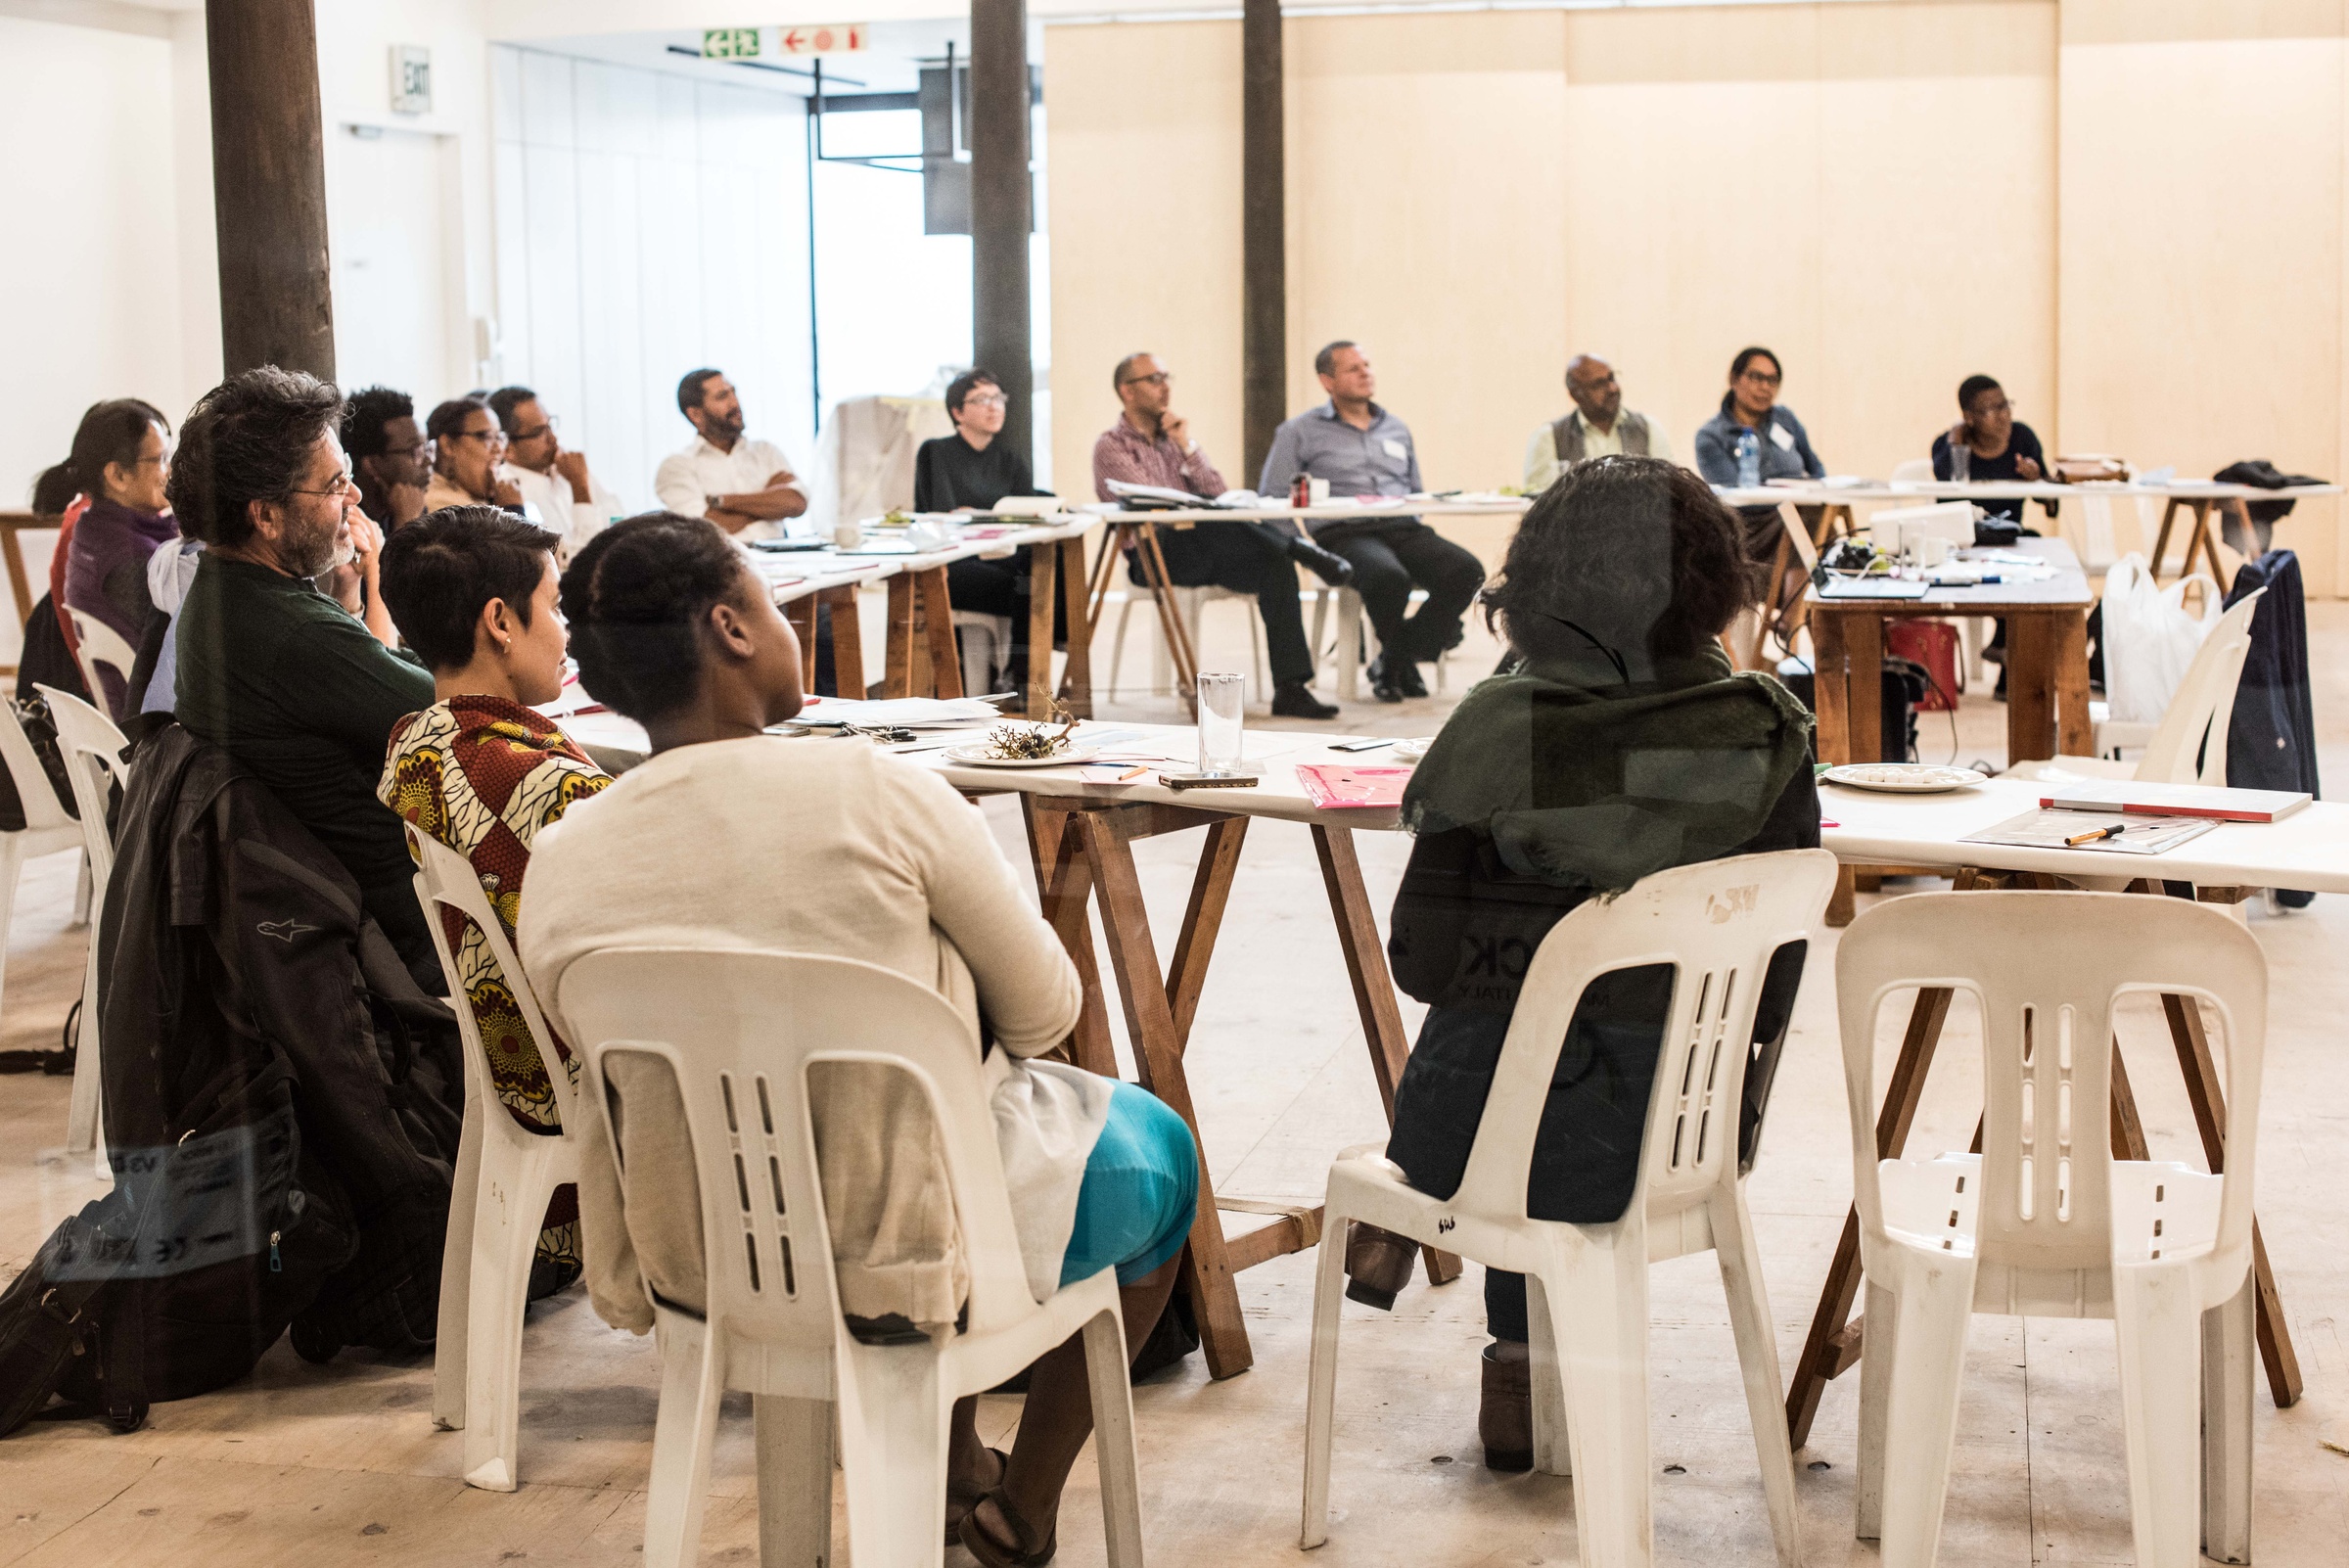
{"x": 847, "y": 534}
{"x": 1319, "y": 490}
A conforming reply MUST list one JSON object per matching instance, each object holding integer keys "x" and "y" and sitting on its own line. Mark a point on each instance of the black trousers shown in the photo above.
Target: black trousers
{"x": 1001, "y": 588}
{"x": 1391, "y": 557}
{"x": 1246, "y": 557}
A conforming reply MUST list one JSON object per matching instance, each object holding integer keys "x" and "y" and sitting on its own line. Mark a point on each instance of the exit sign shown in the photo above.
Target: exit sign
{"x": 825, "y": 38}
{"x": 729, "y": 43}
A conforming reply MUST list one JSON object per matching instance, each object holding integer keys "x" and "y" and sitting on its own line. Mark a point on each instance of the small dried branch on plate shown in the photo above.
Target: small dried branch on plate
{"x": 1034, "y": 742}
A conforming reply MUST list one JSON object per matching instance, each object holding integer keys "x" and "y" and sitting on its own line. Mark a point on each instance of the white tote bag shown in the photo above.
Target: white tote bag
{"x": 2150, "y": 638}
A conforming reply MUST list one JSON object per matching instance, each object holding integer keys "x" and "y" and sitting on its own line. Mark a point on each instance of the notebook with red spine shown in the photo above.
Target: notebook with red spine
{"x": 1334, "y": 786}
{"x": 2171, "y": 800}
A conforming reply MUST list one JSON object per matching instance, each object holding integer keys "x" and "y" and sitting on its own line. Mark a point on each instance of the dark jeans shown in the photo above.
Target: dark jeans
{"x": 1246, "y": 557}
{"x": 1392, "y": 556}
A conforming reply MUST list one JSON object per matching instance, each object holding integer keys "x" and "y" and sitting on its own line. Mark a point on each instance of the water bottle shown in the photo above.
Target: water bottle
{"x": 1749, "y": 460}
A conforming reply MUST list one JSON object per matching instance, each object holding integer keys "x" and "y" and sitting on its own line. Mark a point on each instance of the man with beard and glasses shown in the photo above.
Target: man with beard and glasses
{"x": 273, "y": 670}
{"x": 745, "y": 487}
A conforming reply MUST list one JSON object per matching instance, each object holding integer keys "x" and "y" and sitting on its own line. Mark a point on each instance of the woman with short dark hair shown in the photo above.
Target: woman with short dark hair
{"x": 1616, "y": 743}
{"x": 729, "y": 837}
{"x": 970, "y": 471}
{"x": 473, "y": 591}
{"x": 1989, "y": 446}
{"x": 120, "y": 460}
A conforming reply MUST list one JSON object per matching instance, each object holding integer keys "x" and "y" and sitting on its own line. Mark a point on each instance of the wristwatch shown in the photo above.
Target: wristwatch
{"x": 713, "y": 504}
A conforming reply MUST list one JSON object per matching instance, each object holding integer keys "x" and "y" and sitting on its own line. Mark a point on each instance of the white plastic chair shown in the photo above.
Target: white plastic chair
{"x": 985, "y": 644}
{"x": 1912, "y": 471}
{"x": 47, "y": 829}
{"x": 2045, "y": 1222}
{"x": 739, "y": 1030}
{"x": 100, "y": 646}
{"x": 504, "y": 1177}
{"x": 2189, "y": 744}
{"x": 1719, "y": 922}
{"x": 1191, "y": 605}
{"x": 93, "y": 752}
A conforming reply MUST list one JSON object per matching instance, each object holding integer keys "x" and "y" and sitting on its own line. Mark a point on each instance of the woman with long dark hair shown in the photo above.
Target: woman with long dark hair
{"x": 121, "y": 456}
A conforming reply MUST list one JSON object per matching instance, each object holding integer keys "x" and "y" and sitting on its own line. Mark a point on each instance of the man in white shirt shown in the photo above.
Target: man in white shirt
{"x": 553, "y": 478}
{"x": 1598, "y": 427}
{"x": 744, "y": 486}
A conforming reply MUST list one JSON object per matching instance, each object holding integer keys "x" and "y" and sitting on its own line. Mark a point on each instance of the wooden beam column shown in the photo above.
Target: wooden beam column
{"x": 1264, "y": 238}
{"x": 1000, "y": 217}
{"x": 270, "y": 186}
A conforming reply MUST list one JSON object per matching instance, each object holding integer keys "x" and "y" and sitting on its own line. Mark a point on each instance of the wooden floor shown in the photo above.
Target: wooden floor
{"x": 309, "y": 1465}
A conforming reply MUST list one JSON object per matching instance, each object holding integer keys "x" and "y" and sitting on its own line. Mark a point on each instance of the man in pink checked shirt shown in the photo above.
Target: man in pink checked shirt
{"x": 1151, "y": 445}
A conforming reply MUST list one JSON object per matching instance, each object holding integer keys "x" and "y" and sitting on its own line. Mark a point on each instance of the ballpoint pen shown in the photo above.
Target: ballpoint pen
{"x": 2112, "y": 832}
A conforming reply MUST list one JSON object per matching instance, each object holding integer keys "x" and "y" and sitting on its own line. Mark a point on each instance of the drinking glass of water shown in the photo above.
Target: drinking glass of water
{"x": 1219, "y": 723}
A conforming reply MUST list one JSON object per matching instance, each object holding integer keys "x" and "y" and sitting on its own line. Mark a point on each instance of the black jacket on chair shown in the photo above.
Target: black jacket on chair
{"x": 231, "y": 939}
{"x": 2271, "y": 738}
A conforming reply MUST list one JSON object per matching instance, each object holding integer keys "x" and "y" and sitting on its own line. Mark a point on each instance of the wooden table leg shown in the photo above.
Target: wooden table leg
{"x": 1830, "y": 698}
{"x": 937, "y": 628}
{"x": 1203, "y": 922}
{"x": 18, "y": 586}
{"x": 1863, "y": 681}
{"x": 2206, "y": 1092}
{"x": 1043, "y": 592}
{"x": 2198, "y": 541}
{"x": 1077, "y": 674}
{"x": 1179, "y": 652}
{"x": 2075, "y": 733}
{"x": 1065, "y": 880}
{"x": 1373, "y": 987}
{"x": 1833, "y": 1344}
{"x": 2161, "y": 539}
{"x": 1158, "y": 1054}
{"x": 897, "y": 678}
{"x": 801, "y": 612}
{"x": 847, "y": 641}
{"x": 2031, "y": 697}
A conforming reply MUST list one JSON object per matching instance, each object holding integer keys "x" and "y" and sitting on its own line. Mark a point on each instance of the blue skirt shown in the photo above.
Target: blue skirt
{"x": 1140, "y": 1191}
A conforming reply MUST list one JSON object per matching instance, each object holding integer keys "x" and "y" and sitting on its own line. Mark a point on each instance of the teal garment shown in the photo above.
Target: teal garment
{"x": 1140, "y": 1191}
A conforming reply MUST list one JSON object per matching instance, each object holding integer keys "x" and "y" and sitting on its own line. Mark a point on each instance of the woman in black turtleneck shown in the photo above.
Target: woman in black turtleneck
{"x": 968, "y": 471}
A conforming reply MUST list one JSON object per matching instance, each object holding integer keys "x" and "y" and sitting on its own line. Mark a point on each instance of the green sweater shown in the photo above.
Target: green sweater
{"x": 286, "y": 682}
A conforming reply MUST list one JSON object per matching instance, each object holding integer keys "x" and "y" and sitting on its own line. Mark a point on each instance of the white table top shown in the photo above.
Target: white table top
{"x": 796, "y": 574}
{"x": 1332, "y": 511}
{"x": 2307, "y": 850}
{"x": 2068, "y": 587}
{"x": 1875, "y": 492}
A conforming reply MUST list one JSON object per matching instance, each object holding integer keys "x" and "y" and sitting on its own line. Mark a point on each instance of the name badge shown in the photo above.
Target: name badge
{"x": 1397, "y": 451}
{"x": 1780, "y": 434}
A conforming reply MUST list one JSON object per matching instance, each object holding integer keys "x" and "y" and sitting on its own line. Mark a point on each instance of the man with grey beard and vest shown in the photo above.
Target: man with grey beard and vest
{"x": 1598, "y": 427}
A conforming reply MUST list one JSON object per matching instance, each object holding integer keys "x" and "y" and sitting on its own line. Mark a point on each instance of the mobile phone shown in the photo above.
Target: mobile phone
{"x": 1208, "y": 782}
{"x": 1363, "y": 745}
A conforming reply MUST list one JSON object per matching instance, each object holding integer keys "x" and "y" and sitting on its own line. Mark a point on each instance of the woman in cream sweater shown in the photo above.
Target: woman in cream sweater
{"x": 729, "y": 837}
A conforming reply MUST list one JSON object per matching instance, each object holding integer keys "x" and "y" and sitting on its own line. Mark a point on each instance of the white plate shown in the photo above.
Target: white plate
{"x": 982, "y": 756}
{"x": 1412, "y": 751}
{"x": 1902, "y": 778}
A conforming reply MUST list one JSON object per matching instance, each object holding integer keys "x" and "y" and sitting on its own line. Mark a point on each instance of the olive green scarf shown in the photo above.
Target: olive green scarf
{"x": 1583, "y": 779}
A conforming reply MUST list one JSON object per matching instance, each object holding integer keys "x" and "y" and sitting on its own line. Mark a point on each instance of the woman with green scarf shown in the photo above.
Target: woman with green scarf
{"x": 1615, "y": 742}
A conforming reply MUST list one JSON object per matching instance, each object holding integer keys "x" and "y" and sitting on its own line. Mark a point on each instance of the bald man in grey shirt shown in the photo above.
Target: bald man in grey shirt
{"x": 1362, "y": 450}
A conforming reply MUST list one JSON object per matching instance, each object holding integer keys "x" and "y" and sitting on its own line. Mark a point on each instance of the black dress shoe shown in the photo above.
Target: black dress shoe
{"x": 1295, "y": 700}
{"x": 1383, "y": 685}
{"x": 1327, "y": 565}
{"x": 1397, "y": 675}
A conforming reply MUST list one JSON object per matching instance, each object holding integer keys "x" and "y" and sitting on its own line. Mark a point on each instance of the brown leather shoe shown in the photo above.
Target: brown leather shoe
{"x": 1505, "y": 1420}
{"x": 1378, "y": 1263}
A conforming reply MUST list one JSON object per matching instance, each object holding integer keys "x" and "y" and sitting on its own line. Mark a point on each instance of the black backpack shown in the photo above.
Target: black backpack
{"x": 178, "y": 1280}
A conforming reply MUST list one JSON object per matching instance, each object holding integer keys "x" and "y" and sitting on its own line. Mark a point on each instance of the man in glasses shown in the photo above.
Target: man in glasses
{"x": 1152, "y": 445}
{"x": 271, "y": 669}
{"x": 745, "y": 487}
{"x": 552, "y": 478}
{"x": 388, "y": 455}
{"x": 1600, "y": 426}
{"x": 467, "y": 449}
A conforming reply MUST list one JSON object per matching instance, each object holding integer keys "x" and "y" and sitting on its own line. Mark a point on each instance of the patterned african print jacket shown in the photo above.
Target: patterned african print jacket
{"x": 485, "y": 776}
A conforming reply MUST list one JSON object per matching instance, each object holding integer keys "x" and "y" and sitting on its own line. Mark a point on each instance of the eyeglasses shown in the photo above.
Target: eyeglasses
{"x": 552, "y": 425}
{"x": 341, "y": 485}
{"x": 1157, "y": 379}
{"x": 495, "y": 437}
{"x": 986, "y": 400}
{"x": 1761, "y": 378}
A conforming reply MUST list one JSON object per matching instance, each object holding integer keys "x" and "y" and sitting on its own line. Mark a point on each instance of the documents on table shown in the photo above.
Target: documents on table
{"x": 2173, "y": 800}
{"x": 1332, "y": 786}
{"x": 896, "y": 712}
{"x": 1875, "y": 588}
{"x": 2113, "y": 833}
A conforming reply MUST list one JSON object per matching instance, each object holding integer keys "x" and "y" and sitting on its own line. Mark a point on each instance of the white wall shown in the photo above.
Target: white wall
{"x": 648, "y": 224}
{"x": 92, "y": 279}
